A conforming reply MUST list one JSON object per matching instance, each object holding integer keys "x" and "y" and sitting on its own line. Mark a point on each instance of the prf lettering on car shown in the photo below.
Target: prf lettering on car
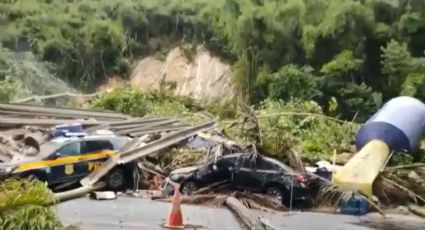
{"x": 94, "y": 165}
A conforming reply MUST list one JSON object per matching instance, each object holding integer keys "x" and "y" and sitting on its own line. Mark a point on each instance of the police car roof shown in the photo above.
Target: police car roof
{"x": 56, "y": 143}
{"x": 62, "y": 140}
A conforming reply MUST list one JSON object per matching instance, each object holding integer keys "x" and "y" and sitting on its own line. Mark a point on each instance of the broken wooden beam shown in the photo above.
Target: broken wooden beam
{"x": 417, "y": 210}
{"x": 142, "y": 151}
{"x": 7, "y": 121}
{"x": 151, "y": 125}
{"x": 60, "y": 110}
{"x": 250, "y": 220}
{"x": 78, "y": 192}
{"x": 263, "y": 200}
{"x": 211, "y": 187}
{"x": 158, "y": 130}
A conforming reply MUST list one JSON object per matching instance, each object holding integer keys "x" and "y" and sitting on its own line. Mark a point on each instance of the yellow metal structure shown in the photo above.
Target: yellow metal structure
{"x": 360, "y": 172}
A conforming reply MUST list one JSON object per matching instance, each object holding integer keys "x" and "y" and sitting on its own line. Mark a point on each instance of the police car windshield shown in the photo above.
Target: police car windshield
{"x": 49, "y": 147}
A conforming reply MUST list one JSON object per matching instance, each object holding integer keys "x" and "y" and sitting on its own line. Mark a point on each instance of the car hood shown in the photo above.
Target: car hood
{"x": 184, "y": 170}
{"x": 19, "y": 161}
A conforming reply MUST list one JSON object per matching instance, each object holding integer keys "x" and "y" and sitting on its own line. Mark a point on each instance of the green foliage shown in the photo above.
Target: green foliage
{"x": 89, "y": 41}
{"x": 292, "y": 82}
{"x": 344, "y": 64}
{"x": 222, "y": 110}
{"x": 405, "y": 74}
{"x": 401, "y": 159}
{"x": 125, "y": 100}
{"x": 23, "y": 205}
{"x": 357, "y": 101}
{"x": 136, "y": 102}
{"x": 302, "y": 126}
{"x": 23, "y": 75}
{"x": 7, "y": 90}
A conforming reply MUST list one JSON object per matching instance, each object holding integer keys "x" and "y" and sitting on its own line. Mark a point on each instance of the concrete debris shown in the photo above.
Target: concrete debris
{"x": 419, "y": 211}
{"x": 147, "y": 194}
{"x": 161, "y": 152}
{"x": 25, "y": 127}
{"x": 105, "y": 195}
{"x": 403, "y": 210}
{"x": 414, "y": 176}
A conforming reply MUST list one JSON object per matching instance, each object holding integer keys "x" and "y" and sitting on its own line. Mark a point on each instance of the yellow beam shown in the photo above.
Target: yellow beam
{"x": 360, "y": 172}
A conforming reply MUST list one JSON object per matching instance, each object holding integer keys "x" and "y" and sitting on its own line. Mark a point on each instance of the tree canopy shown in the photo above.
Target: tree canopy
{"x": 356, "y": 53}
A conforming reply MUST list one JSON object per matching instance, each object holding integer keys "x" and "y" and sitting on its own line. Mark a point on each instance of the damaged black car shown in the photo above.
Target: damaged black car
{"x": 258, "y": 174}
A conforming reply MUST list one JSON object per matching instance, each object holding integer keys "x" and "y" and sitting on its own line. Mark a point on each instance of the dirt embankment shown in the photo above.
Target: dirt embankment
{"x": 203, "y": 77}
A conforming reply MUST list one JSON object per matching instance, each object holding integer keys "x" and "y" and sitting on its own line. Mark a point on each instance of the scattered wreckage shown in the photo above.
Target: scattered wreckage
{"x": 89, "y": 150}
{"x": 82, "y": 147}
{"x": 250, "y": 172}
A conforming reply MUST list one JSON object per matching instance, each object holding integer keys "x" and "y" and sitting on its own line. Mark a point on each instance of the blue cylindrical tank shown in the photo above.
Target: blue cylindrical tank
{"x": 400, "y": 123}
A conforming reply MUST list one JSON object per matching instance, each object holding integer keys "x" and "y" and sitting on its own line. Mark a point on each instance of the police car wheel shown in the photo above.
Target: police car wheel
{"x": 116, "y": 179}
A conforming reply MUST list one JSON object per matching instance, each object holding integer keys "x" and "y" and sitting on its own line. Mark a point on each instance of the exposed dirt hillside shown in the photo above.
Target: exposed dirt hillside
{"x": 204, "y": 77}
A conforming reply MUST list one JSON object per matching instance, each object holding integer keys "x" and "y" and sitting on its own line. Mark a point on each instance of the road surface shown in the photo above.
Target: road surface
{"x": 135, "y": 213}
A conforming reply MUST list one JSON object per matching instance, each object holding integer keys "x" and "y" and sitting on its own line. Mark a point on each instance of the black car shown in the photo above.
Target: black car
{"x": 257, "y": 174}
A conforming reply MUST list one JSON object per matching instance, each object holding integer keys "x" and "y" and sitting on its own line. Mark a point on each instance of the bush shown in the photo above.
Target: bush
{"x": 292, "y": 82}
{"x": 8, "y": 90}
{"x": 301, "y": 126}
{"x": 136, "y": 102}
{"x": 24, "y": 205}
{"x": 124, "y": 100}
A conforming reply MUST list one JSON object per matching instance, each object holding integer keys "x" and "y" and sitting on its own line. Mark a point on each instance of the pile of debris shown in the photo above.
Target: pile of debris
{"x": 23, "y": 128}
{"x": 159, "y": 146}
{"x": 399, "y": 184}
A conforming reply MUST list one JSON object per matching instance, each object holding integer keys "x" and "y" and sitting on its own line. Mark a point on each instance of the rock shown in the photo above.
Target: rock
{"x": 417, "y": 210}
{"x": 343, "y": 158}
{"x": 105, "y": 195}
{"x": 402, "y": 210}
{"x": 204, "y": 76}
{"x": 414, "y": 176}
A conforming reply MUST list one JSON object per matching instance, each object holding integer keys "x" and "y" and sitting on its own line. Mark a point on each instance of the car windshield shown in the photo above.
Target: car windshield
{"x": 280, "y": 164}
{"x": 49, "y": 147}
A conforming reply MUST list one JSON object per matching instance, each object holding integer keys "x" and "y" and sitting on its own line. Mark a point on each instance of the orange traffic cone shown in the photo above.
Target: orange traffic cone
{"x": 175, "y": 219}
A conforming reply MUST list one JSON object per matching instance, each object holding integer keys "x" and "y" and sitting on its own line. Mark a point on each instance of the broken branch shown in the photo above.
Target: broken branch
{"x": 78, "y": 192}
{"x": 248, "y": 218}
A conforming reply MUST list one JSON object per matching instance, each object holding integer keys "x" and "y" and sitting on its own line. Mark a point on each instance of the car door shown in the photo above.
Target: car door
{"x": 94, "y": 153}
{"x": 252, "y": 174}
{"x": 65, "y": 166}
{"x": 244, "y": 174}
{"x": 215, "y": 171}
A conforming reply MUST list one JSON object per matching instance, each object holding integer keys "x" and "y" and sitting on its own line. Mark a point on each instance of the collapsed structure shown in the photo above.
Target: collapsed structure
{"x": 24, "y": 128}
{"x": 397, "y": 127}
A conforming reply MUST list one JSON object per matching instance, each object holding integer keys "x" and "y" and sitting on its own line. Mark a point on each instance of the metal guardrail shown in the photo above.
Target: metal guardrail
{"x": 58, "y": 111}
{"x": 139, "y": 152}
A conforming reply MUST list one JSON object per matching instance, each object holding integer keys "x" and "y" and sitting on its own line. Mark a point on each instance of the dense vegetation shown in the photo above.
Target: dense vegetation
{"x": 24, "y": 205}
{"x": 304, "y": 129}
{"x": 339, "y": 58}
{"x": 352, "y": 53}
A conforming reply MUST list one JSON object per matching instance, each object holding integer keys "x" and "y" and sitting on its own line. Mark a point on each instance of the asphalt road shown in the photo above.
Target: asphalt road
{"x": 135, "y": 213}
